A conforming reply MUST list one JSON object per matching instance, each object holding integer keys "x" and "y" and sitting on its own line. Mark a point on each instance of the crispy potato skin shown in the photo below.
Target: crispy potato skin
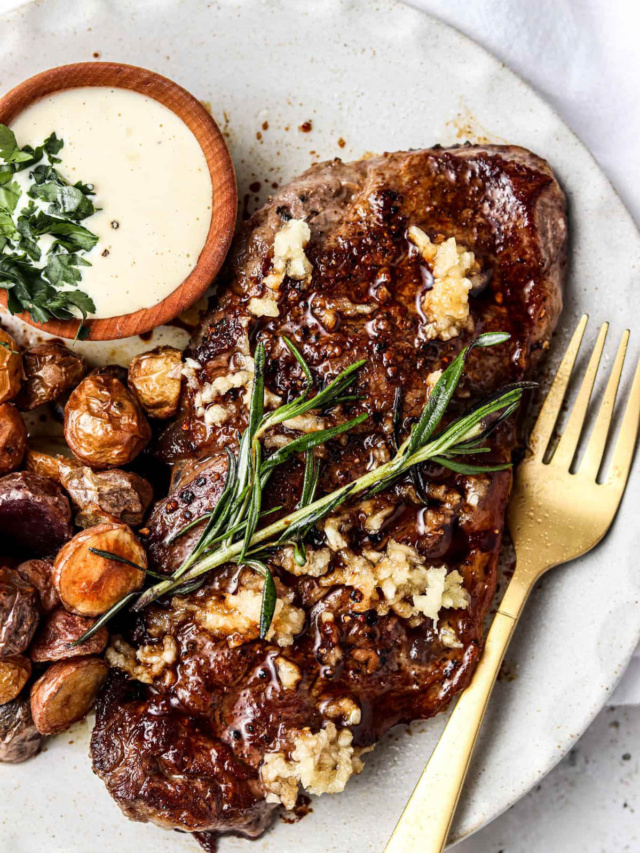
{"x": 66, "y": 692}
{"x": 88, "y": 584}
{"x": 103, "y": 496}
{"x": 38, "y": 574}
{"x": 48, "y": 456}
{"x": 35, "y": 517}
{"x": 13, "y": 438}
{"x": 103, "y": 423}
{"x": 14, "y": 674}
{"x": 10, "y": 367}
{"x": 50, "y": 370}
{"x": 19, "y": 613}
{"x": 115, "y": 370}
{"x": 19, "y": 738}
{"x": 155, "y": 379}
{"x": 61, "y": 628}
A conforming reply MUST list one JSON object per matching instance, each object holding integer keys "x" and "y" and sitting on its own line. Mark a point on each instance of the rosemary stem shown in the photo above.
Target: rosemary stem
{"x": 238, "y": 509}
{"x": 395, "y": 467}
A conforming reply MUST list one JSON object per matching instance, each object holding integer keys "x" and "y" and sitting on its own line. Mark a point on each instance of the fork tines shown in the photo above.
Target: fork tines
{"x": 566, "y": 448}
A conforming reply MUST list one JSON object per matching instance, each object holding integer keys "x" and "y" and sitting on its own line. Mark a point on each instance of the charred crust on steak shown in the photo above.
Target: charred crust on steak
{"x": 187, "y": 750}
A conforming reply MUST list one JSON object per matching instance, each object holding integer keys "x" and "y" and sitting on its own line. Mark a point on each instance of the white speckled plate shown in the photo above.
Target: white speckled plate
{"x": 368, "y": 77}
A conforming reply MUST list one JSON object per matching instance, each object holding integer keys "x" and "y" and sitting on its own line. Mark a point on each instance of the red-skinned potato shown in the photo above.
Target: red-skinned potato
{"x": 19, "y": 613}
{"x": 103, "y": 423}
{"x": 59, "y": 630}
{"x": 38, "y": 574}
{"x": 13, "y": 438}
{"x": 14, "y": 674}
{"x": 66, "y": 693}
{"x": 89, "y": 584}
{"x": 19, "y": 738}
{"x": 49, "y": 370}
{"x": 10, "y": 367}
{"x": 155, "y": 379}
{"x": 35, "y": 516}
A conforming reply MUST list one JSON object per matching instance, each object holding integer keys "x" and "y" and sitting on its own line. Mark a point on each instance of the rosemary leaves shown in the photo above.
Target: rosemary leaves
{"x": 232, "y": 531}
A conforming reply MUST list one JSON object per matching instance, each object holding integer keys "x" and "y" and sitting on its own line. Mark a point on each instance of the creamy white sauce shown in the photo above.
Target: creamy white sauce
{"x": 150, "y": 177}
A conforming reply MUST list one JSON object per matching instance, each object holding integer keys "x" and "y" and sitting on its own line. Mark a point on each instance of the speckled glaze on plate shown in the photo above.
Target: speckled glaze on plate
{"x": 292, "y": 82}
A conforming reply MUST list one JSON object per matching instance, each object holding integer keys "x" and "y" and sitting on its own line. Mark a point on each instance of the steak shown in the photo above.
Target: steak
{"x": 206, "y": 728}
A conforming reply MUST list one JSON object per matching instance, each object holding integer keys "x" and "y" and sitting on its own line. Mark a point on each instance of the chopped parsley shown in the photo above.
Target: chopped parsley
{"x": 44, "y": 284}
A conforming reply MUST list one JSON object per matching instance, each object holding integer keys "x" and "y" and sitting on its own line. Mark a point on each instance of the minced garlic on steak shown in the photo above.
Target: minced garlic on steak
{"x": 399, "y": 260}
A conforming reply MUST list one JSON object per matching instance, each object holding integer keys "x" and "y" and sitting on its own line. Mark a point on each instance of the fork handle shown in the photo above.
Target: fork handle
{"x": 424, "y": 824}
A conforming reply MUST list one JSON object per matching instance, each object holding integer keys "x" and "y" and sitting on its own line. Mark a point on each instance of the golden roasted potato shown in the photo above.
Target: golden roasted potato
{"x": 66, "y": 693}
{"x": 60, "y": 628}
{"x": 101, "y": 496}
{"x": 19, "y": 738}
{"x": 155, "y": 379}
{"x": 89, "y": 584}
{"x": 14, "y": 674}
{"x": 19, "y": 613}
{"x": 48, "y": 456}
{"x": 10, "y": 367}
{"x": 35, "y": 517}
{"x": 38, "y": 574}
{"x": 115, "y": 370}
{"x": 103, "y": 423}
{"x": 48, "y": 371}
{"x": 13, "y": 438}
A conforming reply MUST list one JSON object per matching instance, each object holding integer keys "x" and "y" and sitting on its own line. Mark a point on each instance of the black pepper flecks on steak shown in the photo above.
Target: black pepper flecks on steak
{"x": 186, "y": 751}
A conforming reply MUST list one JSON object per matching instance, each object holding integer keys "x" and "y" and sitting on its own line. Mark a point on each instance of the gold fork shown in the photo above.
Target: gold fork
{"x": 554, "y": 516}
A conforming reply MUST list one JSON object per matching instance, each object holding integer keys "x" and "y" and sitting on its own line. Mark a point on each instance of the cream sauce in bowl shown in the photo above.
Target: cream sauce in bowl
{"x": 152, "y": 187}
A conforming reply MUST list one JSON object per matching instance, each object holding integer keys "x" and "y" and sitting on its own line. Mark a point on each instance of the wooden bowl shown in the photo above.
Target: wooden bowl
{"x": 210, "y": 139}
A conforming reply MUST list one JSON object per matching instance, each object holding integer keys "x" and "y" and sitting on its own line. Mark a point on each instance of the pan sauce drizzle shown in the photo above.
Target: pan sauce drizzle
{"x": 152, "y": 186}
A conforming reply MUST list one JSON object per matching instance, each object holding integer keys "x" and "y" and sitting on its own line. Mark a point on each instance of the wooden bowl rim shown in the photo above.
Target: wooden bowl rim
{"x": 118, "y": 75}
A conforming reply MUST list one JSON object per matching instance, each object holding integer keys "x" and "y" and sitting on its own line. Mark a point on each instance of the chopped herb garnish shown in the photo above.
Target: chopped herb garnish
{"x": 231, "y": 533}
{"x": 45, "y": 287}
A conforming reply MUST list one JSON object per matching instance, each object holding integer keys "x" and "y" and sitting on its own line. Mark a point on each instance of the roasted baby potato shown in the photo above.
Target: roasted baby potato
{"x": 155, "y": 378}
{"x": 66, "y": 693}
{"x": 19, "y": 613}
{"x": 49, "y": 370}
{"x": 10, "y": 367}
{"x": 89, "y": 584}
{"x": 19, "y": 738}
{"x": 115, "y": 370}
{"x": 35, "y": 517}
{"x": 38, "y": 574}
{"x": 47, "y": 455}
{"x": 60, "y": 629}
{"x": 14, "y": 674}
{"x": 103, "y": 423}
{"x": 101, "y": 496}
{"x": 13, "y": 438}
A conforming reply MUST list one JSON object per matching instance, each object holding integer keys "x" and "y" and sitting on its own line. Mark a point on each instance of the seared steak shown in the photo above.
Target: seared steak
{"x": 208, "y": 729}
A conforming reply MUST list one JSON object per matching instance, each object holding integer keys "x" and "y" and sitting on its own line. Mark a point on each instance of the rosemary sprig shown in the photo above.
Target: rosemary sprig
{"x": 109, "y": 555}
{"x": 234, "y": 521}
{"x": 231, "y": 533}
{"x": 106, "y": 617}
{"x": 309, "y": 486}
{"x": 469, "y": 429}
